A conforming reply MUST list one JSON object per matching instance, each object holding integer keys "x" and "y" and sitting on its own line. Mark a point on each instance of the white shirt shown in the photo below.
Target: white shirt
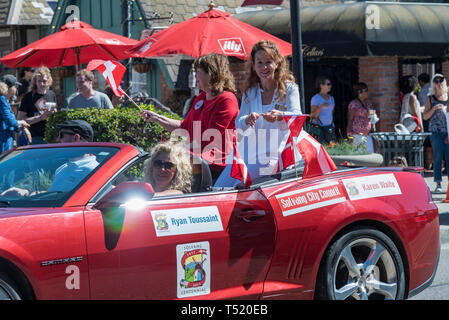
{"x": 71, "y": 173}
{"x": 405, "y": 108}
{"x": 260, "y": 146}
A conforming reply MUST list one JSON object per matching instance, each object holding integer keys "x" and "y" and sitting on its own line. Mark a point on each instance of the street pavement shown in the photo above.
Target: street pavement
{"x": 443, "y": 208}
{"x": 439, "y": 289}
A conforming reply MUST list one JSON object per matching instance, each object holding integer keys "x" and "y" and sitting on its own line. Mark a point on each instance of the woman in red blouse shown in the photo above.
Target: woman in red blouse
{"x": 359, "y": 125}
{"x": 210, "y": 123}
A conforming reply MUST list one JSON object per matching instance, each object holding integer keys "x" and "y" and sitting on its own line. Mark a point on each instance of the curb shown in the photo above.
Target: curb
{"x": 444, "y": 235}
{"x": 444, "y": 228}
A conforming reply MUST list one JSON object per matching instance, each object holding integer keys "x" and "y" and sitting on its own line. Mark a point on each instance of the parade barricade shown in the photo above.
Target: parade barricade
{"x": 410, "y": 146}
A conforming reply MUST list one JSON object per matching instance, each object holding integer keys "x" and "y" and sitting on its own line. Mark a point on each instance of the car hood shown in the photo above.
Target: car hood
{"x": 12, "y": 212}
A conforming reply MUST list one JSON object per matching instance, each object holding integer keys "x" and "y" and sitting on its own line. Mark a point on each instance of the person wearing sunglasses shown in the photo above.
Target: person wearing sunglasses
{"x": 322, "y": 106}
{"x": 169, "y": 169}
{"x": 359, "y": 124}
{"x": 76, "y": 169}
{"x": 435, "y": 111}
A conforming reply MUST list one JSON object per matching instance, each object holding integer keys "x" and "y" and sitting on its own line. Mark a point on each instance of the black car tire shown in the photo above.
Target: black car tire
{"x": 363, "y": 263}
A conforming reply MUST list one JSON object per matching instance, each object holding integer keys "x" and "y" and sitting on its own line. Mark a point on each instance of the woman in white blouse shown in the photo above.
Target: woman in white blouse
{"x": 270, "y": 92}
{"x": 410, "y": 103}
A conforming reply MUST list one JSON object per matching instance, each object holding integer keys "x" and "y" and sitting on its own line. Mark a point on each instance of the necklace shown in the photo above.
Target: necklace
{"x": 267, "y": 95}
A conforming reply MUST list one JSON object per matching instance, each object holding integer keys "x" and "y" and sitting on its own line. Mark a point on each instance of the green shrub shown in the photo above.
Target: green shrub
{"x": 121, "y": 125}
{"x": 176, "y": 101}
{"x": 345, "y": 147}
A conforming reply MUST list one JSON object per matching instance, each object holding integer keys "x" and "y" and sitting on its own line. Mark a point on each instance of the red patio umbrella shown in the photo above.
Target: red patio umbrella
{"x": 211, "y": 31}
{"x": 76, "y": 42}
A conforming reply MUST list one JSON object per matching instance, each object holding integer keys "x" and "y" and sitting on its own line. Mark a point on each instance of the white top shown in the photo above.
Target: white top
{"x": 405, "y": 108}
{"x": 260, "y": 146}
{"x": 68, "y": 175}
{"x": 326, "y": 115}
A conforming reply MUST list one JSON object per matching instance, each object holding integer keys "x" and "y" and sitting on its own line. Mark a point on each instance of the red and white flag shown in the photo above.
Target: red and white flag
{"x": 112, "y": 71}
{"x": 302, "y": 145}
{"x": 317, "y": 160}
{"x": 290, "y": 153}
{"x": 239, "y": 170}
{"x": 295, "y": 123}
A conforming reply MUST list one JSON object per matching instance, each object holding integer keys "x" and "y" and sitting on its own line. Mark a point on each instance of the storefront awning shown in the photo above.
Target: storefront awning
{"x": 363, "y": 29}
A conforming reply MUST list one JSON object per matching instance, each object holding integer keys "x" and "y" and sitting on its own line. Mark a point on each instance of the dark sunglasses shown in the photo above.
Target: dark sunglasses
{"x": 438, "y": 80}
{"x": 327, "y": 84}
{"x": 167, "y": 165}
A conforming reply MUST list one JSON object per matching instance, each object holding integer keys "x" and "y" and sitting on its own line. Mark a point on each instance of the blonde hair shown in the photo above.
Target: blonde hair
{"x": 220, "y": 76}
{"x": 3, "y": 88}
{"x": 40, "y": 72}
{"x": 281, "y": 74}
{"x": 182, "y": 179}
{"x": 432, "y": 87}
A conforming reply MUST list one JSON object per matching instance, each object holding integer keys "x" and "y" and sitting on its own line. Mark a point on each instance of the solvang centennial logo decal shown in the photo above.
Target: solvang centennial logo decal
{"x": 232, "y": 46}
{"x": 193, "y": 269}
{"x": 186, "y": 221}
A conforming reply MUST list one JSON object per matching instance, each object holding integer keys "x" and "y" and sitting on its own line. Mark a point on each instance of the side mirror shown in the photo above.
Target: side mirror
{"x": 124, "y": 192}
{"x": 114, "y": 215}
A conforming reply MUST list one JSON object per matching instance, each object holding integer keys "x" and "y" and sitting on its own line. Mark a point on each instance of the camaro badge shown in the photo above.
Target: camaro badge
{"x": 193, "y": 268}
{"x": 61, "y": 261}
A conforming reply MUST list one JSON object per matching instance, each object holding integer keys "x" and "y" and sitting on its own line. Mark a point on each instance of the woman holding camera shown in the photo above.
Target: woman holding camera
{"x": 322, "y": 106}
{"x": 38, "y": 104}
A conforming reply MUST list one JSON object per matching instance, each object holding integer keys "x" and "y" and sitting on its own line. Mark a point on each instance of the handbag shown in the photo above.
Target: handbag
{"x": 313, "y": 129}
{"x": 328, "y": 133}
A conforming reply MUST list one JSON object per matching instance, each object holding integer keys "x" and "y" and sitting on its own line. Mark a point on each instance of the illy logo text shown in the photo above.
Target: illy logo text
{"x": 232, "y": 46}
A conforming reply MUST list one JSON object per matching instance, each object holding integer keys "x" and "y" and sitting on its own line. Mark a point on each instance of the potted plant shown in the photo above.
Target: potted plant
{"x": 345, "y": 151}
{"x": 141, "y": 65}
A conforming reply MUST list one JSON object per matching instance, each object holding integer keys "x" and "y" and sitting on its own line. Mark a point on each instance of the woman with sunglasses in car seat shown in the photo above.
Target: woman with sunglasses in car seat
{"x": 435, "y": 111}
{"x": 169, "y": 169}
{"x": 322, "y": 106}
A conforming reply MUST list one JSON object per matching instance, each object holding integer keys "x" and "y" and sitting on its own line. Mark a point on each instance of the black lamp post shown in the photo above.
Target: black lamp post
{"x": 296, "y": 41}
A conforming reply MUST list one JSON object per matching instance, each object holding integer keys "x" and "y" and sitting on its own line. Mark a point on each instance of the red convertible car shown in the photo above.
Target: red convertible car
{"x": 356, "y": 233}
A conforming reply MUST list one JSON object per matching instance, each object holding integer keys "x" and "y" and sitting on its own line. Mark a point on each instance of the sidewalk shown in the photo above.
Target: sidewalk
{"x": 443, "y": 208}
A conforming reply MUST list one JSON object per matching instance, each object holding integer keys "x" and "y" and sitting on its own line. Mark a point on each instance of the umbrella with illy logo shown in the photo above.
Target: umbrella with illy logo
{"x": 212, "y": 31}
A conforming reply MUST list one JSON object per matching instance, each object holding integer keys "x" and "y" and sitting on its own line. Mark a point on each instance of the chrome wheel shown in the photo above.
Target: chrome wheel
{"x": 363, "y": 263}
{"x": 365, "y": 270}
{"x": 7, "y": 292}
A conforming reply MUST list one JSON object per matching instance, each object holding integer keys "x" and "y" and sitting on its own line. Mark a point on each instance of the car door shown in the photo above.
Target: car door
{"x": 302, "y": 210}
{"x": 213, "y": 245}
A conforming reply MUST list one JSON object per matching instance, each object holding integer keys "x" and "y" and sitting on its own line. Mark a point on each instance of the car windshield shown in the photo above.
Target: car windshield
{"x": 47, "y": 177}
